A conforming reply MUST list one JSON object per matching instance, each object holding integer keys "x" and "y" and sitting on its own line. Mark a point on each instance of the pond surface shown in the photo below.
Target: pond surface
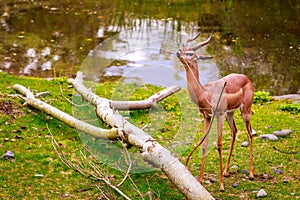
{"x": 137, "y": 40}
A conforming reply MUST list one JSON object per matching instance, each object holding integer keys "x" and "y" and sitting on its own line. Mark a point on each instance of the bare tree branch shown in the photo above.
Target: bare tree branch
{"x": 67, "y": 119}
{"x": 97, "y": 174}
{"x": 130, "y": 164}
{"x": 147, "y": 103}
{"x": 152, "y": 151}
{"x": 131, "y": 105}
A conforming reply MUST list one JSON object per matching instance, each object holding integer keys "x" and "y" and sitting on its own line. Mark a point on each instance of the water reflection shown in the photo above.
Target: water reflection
{"x": 39, "y": 61}
{"x": 144, "y": 55}
{"x": 259, "y": 39}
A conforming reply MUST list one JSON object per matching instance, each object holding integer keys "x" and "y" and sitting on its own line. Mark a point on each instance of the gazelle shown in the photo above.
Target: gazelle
{"x": 237, "y": 93}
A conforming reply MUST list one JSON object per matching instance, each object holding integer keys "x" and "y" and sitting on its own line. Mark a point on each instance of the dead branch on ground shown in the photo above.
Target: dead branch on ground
{"x": 152, "y": 151}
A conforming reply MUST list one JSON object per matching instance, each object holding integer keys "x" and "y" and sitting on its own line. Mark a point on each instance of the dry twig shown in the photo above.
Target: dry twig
{"x": 95, "y": 173}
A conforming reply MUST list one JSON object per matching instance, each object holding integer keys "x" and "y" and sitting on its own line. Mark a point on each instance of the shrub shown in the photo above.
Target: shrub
{"x": 261, "y": 97}
{"x": 293, "y": 108}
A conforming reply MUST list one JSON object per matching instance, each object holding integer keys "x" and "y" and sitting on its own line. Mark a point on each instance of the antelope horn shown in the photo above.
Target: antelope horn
{"x": 191, "y": 39}
{"x": 201, "y": 44}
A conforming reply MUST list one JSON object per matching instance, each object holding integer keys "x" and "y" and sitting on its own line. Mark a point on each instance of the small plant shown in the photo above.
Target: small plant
{"x": 292, "y": 108}
{"x": 261, "y": 97}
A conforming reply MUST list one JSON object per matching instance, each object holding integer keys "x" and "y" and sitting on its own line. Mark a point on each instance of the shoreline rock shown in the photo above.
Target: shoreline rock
{"x": 261, "y": 193}
{"x": 282, "y": 133}
{"x": 293, "y": 97}
{"x": 268, "y": 137}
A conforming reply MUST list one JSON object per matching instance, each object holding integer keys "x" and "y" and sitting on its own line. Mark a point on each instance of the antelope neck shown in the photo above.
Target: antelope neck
{"x": 196, "y": 90}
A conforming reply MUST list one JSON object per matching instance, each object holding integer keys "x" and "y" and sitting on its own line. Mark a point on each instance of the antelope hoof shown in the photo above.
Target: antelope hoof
{"x": 251, "y": 177}
{"x": 200, "y": 180}
{"x": 222, "y": 188}
{"x": 226, "y": 174}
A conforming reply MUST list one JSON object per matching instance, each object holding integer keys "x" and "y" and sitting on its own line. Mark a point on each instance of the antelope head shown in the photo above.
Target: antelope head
{"x": 188, "y": 55}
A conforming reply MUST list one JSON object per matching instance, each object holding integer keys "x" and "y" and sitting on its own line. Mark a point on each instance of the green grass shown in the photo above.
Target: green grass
{"x": 23, "y": 131}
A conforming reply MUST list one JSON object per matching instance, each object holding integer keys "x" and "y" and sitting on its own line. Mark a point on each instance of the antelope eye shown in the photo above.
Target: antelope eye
{"x": 189, "y": 53}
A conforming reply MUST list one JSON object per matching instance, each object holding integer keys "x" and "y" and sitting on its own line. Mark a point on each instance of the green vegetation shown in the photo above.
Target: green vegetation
{"x": 23, "y": 131}
{"x": 261, "y": 97}
{"x": 293, "y": 108}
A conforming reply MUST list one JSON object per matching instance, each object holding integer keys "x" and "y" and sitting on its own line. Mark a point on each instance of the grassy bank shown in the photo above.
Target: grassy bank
{"x": 38, "y": 173}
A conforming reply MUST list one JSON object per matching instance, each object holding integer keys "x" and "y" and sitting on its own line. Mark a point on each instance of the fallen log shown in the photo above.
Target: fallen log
{"x": 152, "y": 151}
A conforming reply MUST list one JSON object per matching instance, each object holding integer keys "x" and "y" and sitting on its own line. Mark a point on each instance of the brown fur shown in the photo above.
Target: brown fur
{"x": 238, "y": 93}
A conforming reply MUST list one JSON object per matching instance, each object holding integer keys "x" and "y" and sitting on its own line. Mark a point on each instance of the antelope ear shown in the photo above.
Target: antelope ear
{"x": 204, "y": 57}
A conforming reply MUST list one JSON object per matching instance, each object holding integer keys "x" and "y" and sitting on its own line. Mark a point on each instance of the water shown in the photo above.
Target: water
{"x": 258, "y": 38}
{"x": 146, "y": 56}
